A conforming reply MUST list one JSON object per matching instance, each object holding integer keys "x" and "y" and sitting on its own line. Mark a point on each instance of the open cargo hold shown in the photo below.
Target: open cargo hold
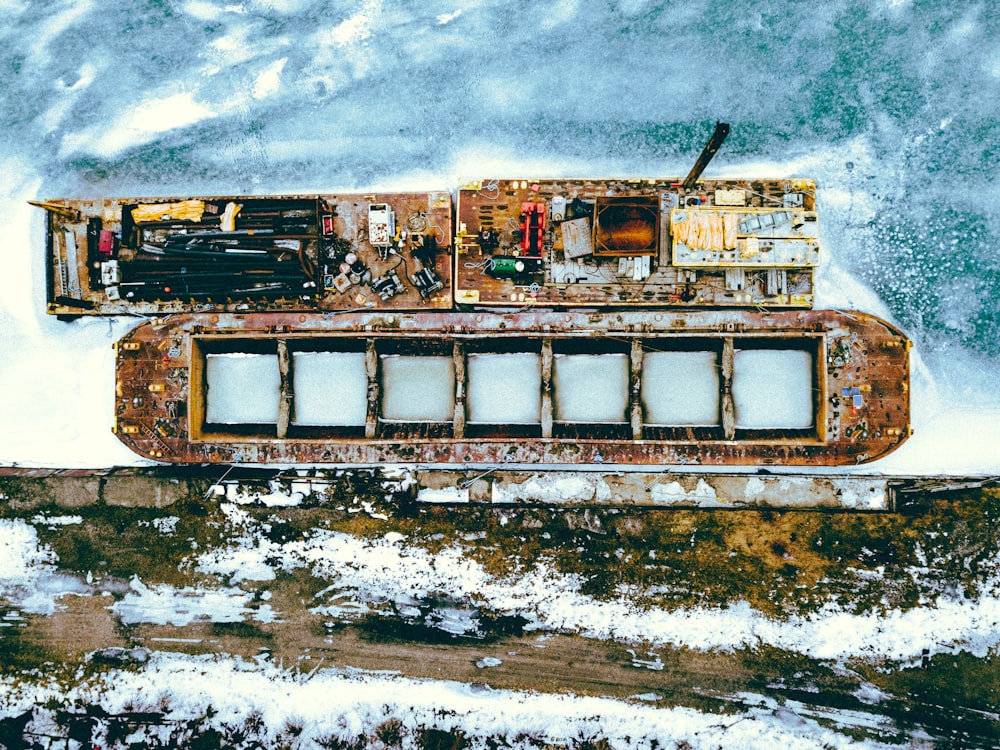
{"x": 552, "y": 387}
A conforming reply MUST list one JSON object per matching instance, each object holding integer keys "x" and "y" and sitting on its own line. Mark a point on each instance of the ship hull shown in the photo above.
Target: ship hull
{"x": 726, "y": 388}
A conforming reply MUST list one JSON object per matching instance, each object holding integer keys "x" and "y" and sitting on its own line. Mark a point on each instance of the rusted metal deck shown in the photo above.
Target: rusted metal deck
{"x": 551, "y": 243}
{"x": 335, "y": 251}
{"x": 630, "y": 242}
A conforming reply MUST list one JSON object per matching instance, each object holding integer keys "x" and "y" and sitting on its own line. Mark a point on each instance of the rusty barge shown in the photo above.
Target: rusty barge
{"x": 633, "y": 322}
{"x": 491, "y": 244}
{"x": 720, "y": 387}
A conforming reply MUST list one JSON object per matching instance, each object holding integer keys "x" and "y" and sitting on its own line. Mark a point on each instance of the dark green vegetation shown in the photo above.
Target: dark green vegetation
{"x": 120, "y": 542}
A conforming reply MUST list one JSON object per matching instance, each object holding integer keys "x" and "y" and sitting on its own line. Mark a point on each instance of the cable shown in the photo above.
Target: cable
{"x": 416, "y": 223}
{"x": 765, "y": 197}
{"x": 484, "y": 266}
{"x": 402, "y": 261}
{"x": 308, "y": 268}
{"x": 439, "y": 232}
{"x": 492, "y": 185}
{"x": 327, "y": 314}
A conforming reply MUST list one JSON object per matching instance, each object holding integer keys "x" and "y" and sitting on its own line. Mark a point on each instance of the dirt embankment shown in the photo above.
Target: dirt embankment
{"x": 781, "y": 563}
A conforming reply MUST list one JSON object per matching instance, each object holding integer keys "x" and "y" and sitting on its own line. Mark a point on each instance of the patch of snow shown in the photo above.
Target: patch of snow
{"x": 444, "y": 18}
{"x": 344, "y": 607}
{"x": 52, "y": 521}
{"x": 590, "y": 388}
{"x": 233, "y": 689}
{"x": 268, "y": 81}
{"x": 138, "y": 125}
{"x": 414, "y": 388}
{"x": 795, "y": 714}
{"x": 390, "y": 570}
{"x": 28, "y": 577}
{"x": 247, "y": 561}
{"x": 242, "y": 388}
{"x": 680, "y": 388}
{"x": 650, "y": 697}
{"x": 869, "y": 694}
{"x": 247, "y": 558}
{"x": 165, "y": 605}
{"x": 369, "y": 508}
{"x": 166, "y": 525}
{"x": 547, "y": 489}
{"x": 331, "y": 388}
{"x": 453, "y": 620}
{"x": 277, "y": 495}
{"x": 443, "y": 495}
{"x": 773, "y": 388}
{"x": 673, "y": 493}
{"x": 504, "y": 388}
{"x": 858, "y": 494}
{"x": 654, "y": 662}
{"x": 357, "y": 28}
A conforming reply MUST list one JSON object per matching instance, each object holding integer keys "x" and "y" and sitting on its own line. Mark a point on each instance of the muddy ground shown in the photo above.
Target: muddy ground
{"x": 782, "y": 563}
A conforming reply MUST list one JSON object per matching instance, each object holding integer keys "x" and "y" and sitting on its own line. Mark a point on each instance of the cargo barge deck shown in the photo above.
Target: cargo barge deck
{"x": 729, "y": 388}
{"x": 494, "y": 243}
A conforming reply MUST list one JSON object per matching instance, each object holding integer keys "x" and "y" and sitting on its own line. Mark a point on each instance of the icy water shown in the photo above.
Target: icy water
{"x": 891, "y": 106}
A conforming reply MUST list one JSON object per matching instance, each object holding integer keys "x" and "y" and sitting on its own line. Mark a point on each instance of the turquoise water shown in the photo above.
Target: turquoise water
{"x": 891, "y": 106}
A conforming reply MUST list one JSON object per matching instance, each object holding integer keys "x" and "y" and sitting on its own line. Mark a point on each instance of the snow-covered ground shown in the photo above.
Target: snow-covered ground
{"x": 393, "y": 570}
{"x": 393, "y": 573}
{"x": 300, "y": 708}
